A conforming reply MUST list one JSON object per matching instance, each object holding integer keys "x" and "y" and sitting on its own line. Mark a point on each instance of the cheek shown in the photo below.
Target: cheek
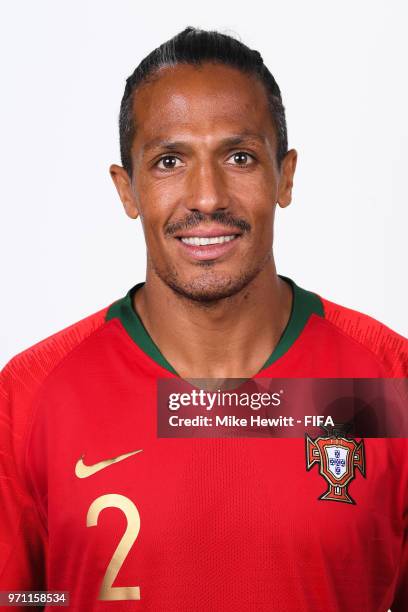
{"x": 154, "y": 194}
{"x": 257, "y": 202}
{"x": 256, "y": 191}
{"x": 156, "y": 201}
{"x": 261, "y": 218}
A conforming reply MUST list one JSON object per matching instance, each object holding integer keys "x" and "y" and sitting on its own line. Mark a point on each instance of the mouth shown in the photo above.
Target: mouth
{"x": 206, "y": 247}
{"x": 204, "y": 241}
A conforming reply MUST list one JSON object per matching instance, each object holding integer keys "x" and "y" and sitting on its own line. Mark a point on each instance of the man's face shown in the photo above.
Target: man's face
{"x": 205, "y": 178}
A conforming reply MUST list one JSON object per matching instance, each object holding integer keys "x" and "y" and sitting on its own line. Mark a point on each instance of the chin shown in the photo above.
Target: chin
{"x": 207, "y": 283}
{"x": 208, "y": 287}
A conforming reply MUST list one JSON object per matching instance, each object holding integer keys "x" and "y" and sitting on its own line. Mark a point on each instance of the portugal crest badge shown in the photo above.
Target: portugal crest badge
{"x": 338, "y": 459}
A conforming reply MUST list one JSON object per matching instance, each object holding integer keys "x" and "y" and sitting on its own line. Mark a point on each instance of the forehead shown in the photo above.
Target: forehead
{"x": 201, "y": 100}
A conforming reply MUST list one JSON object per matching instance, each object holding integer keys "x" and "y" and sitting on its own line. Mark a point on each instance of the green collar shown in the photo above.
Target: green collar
{"x": 305, "y": 303}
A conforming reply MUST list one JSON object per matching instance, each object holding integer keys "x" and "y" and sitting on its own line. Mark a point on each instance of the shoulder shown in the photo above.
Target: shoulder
{"x": 23, "y": 376}
{"x": 28, "y": 369}
{"x": 386, "y": 345}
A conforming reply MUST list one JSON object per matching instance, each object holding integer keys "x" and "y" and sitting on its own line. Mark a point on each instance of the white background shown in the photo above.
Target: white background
{"x": 67, "y": 247}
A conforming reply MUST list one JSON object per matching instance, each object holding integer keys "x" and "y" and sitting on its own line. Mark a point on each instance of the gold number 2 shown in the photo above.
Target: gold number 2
{"x": 112, "y": 500}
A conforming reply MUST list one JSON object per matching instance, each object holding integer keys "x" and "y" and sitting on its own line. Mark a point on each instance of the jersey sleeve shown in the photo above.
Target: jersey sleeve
{"x": 22, "y": 533}
{"x": 390, "y": 347}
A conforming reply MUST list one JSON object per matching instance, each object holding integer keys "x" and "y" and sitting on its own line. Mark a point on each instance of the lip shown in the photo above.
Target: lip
{"x": 209, "y": 251}
{"x": 208, "y": 232}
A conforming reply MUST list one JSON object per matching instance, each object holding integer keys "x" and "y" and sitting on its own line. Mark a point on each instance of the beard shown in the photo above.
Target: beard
{"x": 209, "y": 286}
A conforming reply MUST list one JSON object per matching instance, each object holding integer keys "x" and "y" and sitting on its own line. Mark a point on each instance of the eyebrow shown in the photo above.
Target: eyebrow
{"x": 232, "y": 141}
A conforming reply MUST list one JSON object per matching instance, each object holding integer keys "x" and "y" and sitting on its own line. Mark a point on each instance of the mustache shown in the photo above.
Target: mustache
{"x": 197, "y": 217}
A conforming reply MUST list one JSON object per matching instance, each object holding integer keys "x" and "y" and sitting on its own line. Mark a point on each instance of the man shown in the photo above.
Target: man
{"x": 93, "y": 501}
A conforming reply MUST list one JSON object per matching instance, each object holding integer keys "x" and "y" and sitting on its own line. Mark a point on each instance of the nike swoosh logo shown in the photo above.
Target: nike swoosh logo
{"x": 83, "y": 471}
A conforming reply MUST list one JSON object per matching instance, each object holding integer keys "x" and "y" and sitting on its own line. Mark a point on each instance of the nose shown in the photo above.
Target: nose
{"x": 208, "y": 191}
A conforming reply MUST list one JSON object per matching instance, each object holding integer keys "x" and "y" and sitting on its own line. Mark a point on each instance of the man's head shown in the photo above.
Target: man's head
{"x": 204, "y": 152}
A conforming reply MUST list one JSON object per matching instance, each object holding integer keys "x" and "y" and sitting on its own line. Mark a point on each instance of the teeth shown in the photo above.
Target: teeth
{"x": 196, "y": 241}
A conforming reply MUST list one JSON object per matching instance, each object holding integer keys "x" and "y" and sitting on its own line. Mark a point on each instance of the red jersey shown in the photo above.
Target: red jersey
{"x": 94, "y": 503}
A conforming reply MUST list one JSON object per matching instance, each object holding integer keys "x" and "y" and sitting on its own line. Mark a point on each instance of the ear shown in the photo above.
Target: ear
{"x": 287, "y": 172}
{"x": 123, "y": 185}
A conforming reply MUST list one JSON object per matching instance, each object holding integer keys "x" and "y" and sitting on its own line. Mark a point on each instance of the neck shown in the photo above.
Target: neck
{"x": 231, "y": 338}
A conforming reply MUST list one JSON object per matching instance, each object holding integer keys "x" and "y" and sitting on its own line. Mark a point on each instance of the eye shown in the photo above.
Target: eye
{"x": 168, "y": 162}
{"x": 241, "y": 158}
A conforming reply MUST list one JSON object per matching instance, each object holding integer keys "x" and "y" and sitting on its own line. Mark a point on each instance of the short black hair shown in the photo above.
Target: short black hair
{"x": 194, "y": 46}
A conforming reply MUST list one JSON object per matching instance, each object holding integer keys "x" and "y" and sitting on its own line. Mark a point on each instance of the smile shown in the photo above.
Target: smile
{"x": 207, "y": 247}
{"x": 204, "y": 241}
